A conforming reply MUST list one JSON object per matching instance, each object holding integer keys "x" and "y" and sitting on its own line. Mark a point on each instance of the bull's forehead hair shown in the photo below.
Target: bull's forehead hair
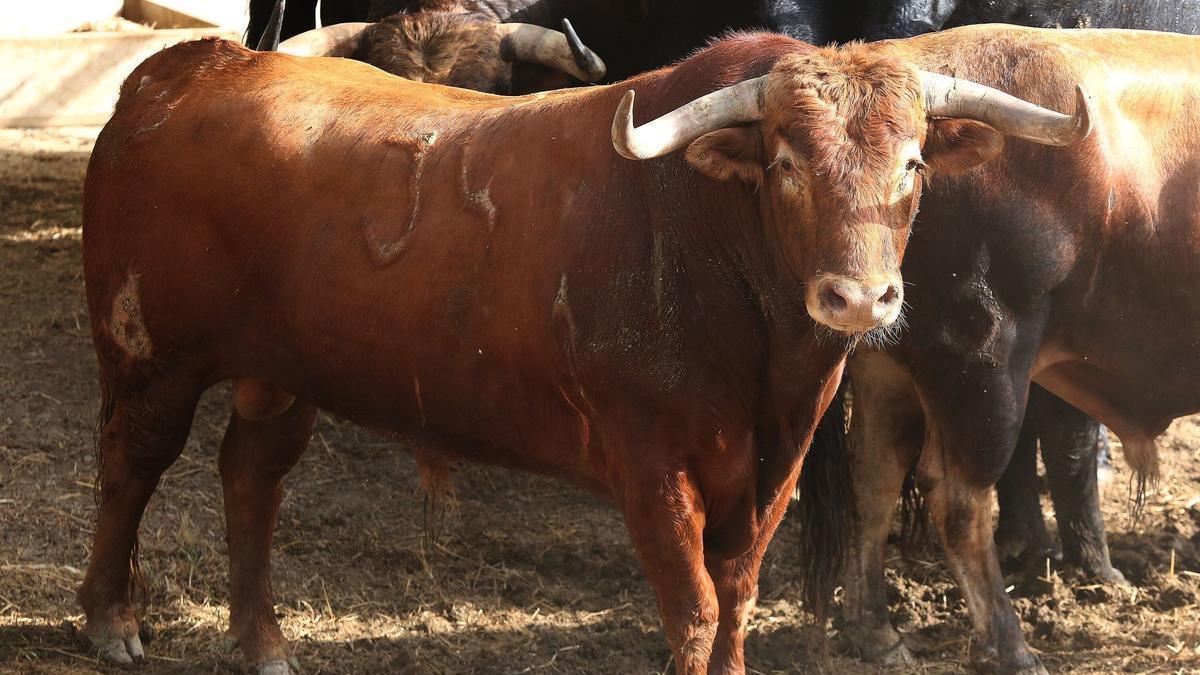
{"x": 849, "y": 111}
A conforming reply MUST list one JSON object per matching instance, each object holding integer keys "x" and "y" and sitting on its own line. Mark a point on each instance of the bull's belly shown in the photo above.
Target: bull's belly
{"x": 472, "y": 411}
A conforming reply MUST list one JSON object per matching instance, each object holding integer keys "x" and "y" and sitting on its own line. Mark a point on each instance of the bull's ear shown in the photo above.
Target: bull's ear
{"x": 734, "y": 152}
{"x": 955, "y": 145}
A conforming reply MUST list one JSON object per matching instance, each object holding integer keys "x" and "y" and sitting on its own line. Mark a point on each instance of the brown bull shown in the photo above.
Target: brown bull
{"x": 1076, "y": 270}
{"x": 487, "y": 277}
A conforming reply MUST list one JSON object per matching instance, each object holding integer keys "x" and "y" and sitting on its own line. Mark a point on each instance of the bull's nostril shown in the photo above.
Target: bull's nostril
{"x": 888, "y": 297}
{"x": 832, "y": 299}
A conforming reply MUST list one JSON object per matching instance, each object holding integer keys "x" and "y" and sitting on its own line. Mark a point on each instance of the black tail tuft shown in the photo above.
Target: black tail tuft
{"x": 914, "y": 514}
{"x": 825, "y": 510}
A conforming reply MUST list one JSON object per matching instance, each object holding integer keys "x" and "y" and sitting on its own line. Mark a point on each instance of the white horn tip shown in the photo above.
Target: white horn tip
{"x": 1083, "y": 114}
{"x": 622, "y": 129}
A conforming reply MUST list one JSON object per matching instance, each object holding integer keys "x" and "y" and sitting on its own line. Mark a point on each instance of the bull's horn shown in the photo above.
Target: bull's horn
{"x": 269, "y": 40}
{"x": 340, "y": 39}
{"x": 535, "y": 44}
{"x": 951, "y": 97}
{"x": 737, "y": 104}
{"x": 585, "y": 59}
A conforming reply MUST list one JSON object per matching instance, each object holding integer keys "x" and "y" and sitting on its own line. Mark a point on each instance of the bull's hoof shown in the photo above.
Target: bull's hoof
{"x": 1112, "y": 576}
{"x": 121, "y": 651}
{"x": 1106, "y": 574}
{"x": 878, "y": 645}
{"x": 116, "y": 637}
{"x": 276, "y": 667}
{"x": 268, "y": 666}
{"x": 987, "y": 661}
{"x": 898, "y": 655}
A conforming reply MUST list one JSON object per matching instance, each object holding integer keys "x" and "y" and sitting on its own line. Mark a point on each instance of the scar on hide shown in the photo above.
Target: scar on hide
{"x": 561, "y": 313}
{"x": 420, "y": 402}
{"x": 478, "y": 201}
{"x": 127, "y": 325}
{"x": 383, "y": 245}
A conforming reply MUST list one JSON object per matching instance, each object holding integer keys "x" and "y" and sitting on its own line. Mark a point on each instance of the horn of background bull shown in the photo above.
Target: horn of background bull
{"x": 269, "y": 41}
{"x": 536, "y": 44}
{"x": 340, "y": 39}
{"x": 585, "y": 58}
{"x": 736, "y": 104}
{"x": 947, "y": 96}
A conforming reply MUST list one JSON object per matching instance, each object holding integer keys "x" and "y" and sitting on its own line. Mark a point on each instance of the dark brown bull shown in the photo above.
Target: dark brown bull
{"x": 487, "y": 277}
{"x": 1074, "y": 270}
{"x": 456, "y": 47}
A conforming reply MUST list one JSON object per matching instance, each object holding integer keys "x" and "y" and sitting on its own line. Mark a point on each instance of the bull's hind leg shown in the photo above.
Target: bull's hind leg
{"x": 1021, "y": 531}
{"x": 1070, "y": 449}
{"x": 886, "y": 432}
{"x": 142, "y": 438}
{"x": 267, "y": 433}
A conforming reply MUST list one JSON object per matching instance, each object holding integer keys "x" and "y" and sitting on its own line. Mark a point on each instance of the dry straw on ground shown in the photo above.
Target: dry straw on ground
{"x": 528, "y": 577}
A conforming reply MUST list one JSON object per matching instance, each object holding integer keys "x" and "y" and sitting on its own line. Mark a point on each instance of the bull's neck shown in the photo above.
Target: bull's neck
{"x": 720, "y": 221}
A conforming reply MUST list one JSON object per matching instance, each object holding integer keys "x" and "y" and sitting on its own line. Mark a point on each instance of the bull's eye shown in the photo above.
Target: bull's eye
{"x": 914, "y": 165}
{"x": 785, "y": 164}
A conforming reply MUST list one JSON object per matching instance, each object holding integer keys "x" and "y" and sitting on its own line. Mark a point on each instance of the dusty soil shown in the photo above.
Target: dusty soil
{"x": 527, "y": 576}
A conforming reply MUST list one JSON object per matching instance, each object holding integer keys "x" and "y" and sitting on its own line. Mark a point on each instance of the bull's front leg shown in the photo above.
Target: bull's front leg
{"x": 736, "y": 583}
{"x": 665, "y": 517}
{"x": 968, "y": 444}
{"x": 962, "y": 512}
{"x": 886, "y": 432}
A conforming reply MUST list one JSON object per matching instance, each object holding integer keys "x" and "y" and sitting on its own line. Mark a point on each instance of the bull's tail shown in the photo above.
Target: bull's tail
{"x": 269, "y": 42}
{"x": 1142, "y": 457}
{"x": 108, "y": 406}
{"x": 914, "y": 513}
{"x": 825, "y": 510}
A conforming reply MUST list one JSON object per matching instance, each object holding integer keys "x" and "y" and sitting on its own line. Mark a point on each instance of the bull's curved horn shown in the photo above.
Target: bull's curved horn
{"x": 340, "y": 39}
{"x": 736, "y": 104}
{"x": 947, "y": 96}
{"x": 585, "y": 58}
{"x": 535, "y": 44}
{"x": 269, "y": 40}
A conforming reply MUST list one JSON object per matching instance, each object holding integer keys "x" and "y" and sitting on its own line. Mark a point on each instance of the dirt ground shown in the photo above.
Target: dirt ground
{"x": 528, "y": 576}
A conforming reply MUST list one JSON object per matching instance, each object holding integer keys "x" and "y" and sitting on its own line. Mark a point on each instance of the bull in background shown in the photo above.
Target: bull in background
{"x": 1072, "y": 444}
{"x": 449, "y": 46}
{"x": 1066, "y": 262}
{"x": 492, "y": 281}
{"x": 634, "y": 36}
{"x": 459, "y": 50}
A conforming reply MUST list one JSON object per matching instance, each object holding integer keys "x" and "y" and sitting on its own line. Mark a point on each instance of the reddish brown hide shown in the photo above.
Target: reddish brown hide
{"x": 486, "y": 276}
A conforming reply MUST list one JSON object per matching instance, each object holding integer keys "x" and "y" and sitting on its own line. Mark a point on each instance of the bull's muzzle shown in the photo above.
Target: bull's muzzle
{"x": 851, "y": 305}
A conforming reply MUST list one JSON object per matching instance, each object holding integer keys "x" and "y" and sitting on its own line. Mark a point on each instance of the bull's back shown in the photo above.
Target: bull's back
{"x": 1094, "y": 222}
{"x": 218, "y": 158}
{"x": 383, "y": 248}
{"x": 1145, "y": 85}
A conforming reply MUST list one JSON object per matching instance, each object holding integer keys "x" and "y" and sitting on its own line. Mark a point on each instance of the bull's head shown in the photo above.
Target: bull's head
{"x": 454, "y": 49}
{"x": 837, "y": 143}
